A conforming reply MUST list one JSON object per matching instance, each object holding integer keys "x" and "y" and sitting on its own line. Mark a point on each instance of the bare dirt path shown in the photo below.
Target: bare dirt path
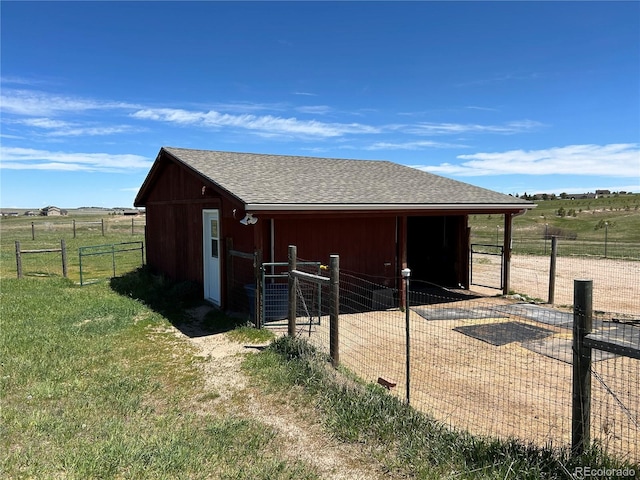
{"x": 299, "y": 436}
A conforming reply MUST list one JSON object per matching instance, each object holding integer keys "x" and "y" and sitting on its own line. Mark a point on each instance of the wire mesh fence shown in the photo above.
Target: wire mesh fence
{"x": 490, "y": 366}
{"x": 616, "y": 275}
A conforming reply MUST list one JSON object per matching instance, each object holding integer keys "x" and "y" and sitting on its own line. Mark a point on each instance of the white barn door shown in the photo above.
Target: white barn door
{"x": 211, "y": 255}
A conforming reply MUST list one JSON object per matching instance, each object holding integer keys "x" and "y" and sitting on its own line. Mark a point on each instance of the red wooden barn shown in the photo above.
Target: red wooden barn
{"x": 377, "y": 215}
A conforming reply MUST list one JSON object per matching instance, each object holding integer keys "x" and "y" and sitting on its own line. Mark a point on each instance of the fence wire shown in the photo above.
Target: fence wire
{"x": 491, "y": 366}
{"x": 615, "y": 269}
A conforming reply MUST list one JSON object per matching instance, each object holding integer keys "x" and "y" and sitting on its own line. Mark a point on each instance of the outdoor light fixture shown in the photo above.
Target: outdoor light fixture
{"x": 249, "y": 219}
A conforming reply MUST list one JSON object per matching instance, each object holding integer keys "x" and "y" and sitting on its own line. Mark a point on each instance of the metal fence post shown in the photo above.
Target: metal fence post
{"x": 293, "y": 282}
{"x": 33, "y": 231}
{"x": 581, "y": 396}
{"x": 406, "y": 273}
{"x": 334, "y": 317}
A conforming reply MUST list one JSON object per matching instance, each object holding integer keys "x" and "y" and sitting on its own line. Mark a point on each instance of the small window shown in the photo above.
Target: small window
{"x": 214, "y": 248}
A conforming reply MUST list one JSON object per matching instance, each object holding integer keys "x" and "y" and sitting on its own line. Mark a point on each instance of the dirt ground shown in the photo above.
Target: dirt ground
{"x": 502, "y": 391}
{"x": 300, "y": 438}
{"x": 616, "y": 283}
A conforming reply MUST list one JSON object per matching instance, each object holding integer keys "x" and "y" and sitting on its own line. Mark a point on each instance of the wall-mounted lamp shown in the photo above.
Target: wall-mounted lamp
{"x": 249, "y": 219}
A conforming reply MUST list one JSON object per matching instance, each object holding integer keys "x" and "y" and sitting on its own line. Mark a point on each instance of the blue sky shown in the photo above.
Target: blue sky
{"x": 512, "y": 96}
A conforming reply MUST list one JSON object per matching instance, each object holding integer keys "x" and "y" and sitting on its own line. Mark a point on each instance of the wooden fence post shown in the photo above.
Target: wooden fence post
{"x": 334, "y": 317}
{"x": 63, "y": 249}
{"x": 102, "y": 224}
{"x": 33, "y": 231}
{"x": 581, "y": 396}
{"x": 257, "y": 265}
{"x": 293, "y": 282}
{"x": 552, "y": 269}
{"x": 132, "y": 226}
{"x": 74, "y": 228}
{"x": 18, "y": 259}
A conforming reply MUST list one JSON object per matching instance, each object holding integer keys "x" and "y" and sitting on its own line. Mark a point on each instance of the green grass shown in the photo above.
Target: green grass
{"x": 404, "y": 441}
{"x": 581, "y": 230}
{"x": 94, "y": 386}
{"x": 48, "y": 233}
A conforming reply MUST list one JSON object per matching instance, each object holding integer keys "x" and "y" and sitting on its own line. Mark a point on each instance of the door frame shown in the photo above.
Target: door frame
{"x": 207, "y": 215}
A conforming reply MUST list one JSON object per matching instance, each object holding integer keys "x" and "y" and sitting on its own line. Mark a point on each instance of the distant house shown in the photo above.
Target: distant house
{"x": 52, "y": 211}
{"x": 602, "y": 193}
{"x": 378, "y": 216}
{"x": 32, "y": 213}
{"x": 9, "y": 214}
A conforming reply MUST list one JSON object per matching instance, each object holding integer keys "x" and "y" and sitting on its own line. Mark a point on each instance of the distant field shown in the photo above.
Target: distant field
{"x": 588, "y": 223}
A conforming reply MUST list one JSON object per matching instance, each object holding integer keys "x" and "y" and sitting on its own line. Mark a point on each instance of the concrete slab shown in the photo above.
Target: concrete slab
{"x": 538, "y": 313}
{"x": 504, "y": 332}
{"x": 560, "y": 349}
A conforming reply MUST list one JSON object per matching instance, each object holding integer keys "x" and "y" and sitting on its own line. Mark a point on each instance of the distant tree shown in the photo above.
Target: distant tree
{"x": 563, "y": 195}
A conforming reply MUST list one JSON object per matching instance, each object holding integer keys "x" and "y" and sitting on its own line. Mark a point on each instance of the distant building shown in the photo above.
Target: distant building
{"x": 602, "y": 193}
{"x": 583, "y": 196}
{"x": 9, "y": 214}
{"x": 52, "y": 211}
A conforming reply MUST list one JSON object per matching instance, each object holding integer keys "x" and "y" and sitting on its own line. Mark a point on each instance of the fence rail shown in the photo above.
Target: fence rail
{"x": 62, "y": 250}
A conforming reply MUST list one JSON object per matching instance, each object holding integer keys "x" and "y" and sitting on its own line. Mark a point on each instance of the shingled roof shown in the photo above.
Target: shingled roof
{"x": 268, "y": 182}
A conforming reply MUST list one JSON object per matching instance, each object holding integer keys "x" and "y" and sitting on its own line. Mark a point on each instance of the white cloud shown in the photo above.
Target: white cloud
{"x": 429, "y": 128}
{"x": 41, "y": 104}
{"x": 264, "y": 124}
{"x": 613, "y": 160}
{"x": 418, "y": 145}
{"x": 314, "y": 109}
{"x": 15, "y": 158}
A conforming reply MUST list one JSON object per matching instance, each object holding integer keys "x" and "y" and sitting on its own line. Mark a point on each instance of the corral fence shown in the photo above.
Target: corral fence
{"x": 492, "y": 366}
{"x": 544, "y": 270}
{"x": 73, "y": 227}
{"x": 62, "y": 250}
{"x": 100, "y": 261}
{"x": 479, "y": 253}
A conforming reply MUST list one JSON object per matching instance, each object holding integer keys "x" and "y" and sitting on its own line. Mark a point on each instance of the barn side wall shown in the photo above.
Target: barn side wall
{"x": 366, "y": 245}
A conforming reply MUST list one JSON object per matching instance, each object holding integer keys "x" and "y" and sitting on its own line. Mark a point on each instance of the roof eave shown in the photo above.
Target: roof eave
{"x": 301, "y": 207}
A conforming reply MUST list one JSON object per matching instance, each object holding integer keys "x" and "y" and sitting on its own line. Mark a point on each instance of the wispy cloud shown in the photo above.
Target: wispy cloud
{"x": 41, "y": 104}
{"x": 613, "y": 160}
{"x": 264, "y": 124}
{"x": 305, "y": 93}
{"x": 61, "y": 128}
{"x": 315, "y": 109}
{"x": 417, "y": 145}
{"x": 14, "y": 158}
{"x": 429, "y": 128}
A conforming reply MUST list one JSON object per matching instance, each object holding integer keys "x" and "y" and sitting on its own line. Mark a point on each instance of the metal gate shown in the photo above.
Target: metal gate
{"x": 275, "y": 296}
{"x": 486, "y": 272}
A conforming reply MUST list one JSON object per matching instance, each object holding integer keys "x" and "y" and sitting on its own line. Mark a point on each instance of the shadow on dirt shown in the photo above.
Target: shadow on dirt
{"x": 179, "y": 302}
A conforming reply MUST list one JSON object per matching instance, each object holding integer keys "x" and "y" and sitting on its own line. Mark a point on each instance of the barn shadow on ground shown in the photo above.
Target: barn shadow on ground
{"x": 179, "y": 302}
